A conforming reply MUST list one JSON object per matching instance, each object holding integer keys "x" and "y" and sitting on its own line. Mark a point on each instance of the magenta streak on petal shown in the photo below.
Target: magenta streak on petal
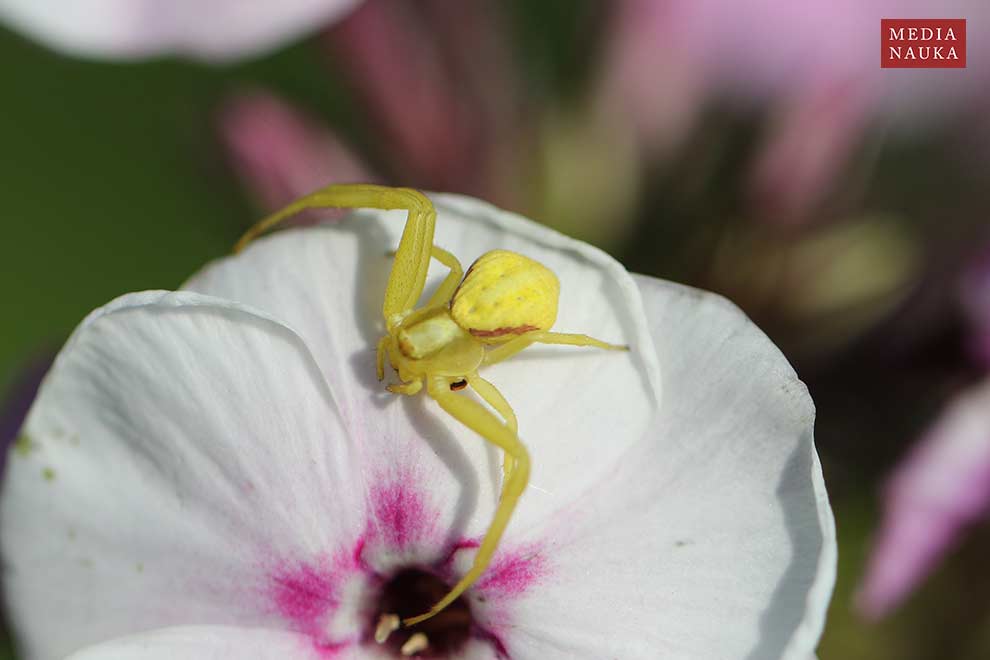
{"x": 329, "y": 649}
{"x": 513, "y": 574}
{"x": 463, "y": 544}
{"x": 357, "y": 555}
{"x": 305, "y": 595}
{"x": 488, "y": 636}
{"x": 401, "y": 516}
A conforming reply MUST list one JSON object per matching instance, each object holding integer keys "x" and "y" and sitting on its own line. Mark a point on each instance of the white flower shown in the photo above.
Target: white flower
{"x": 216, "y": 472}
{"x": 207, "y": 29}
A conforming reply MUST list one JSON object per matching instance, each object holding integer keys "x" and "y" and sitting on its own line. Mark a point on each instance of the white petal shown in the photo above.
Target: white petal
{"x": 217, "y": 29}
{"x": 712, "y": 538}
{"x": 182, "y": 450}
{"x": 204, "y": 643}
{"x": 328, "y": 284}
{"x": 228, "y": 642}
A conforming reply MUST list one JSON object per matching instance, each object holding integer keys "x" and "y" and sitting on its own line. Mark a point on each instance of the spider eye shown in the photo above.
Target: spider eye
{"x": 458, "y": 385}
{"x": 505, "y": 294}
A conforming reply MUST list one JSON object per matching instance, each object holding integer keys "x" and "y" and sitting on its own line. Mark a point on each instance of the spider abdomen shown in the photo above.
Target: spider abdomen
{"x": 504, "y": 295}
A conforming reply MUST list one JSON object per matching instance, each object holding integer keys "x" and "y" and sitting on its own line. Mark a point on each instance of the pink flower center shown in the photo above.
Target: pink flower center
{"x": 308, "y": 595}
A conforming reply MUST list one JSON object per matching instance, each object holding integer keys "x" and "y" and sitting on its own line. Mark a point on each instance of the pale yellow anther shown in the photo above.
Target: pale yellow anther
{"x": 387, "y": 624}
{"x": 416, "y": 643}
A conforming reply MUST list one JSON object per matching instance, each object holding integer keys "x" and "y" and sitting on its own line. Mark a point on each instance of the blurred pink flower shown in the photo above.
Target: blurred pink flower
{"x": 214, "y": 30}
{"x": 941, "y": 488}
{"x": 282, "y": 154}
{"x": 768, "y": 48}
{"x": 815, "y": 65}
{"x": 432, "y": 112}
{"x": 441, "y": 95}
{"x": 649, "y": 77}
{"x": 809, "y": 144}
{"x": 944, "y": 484}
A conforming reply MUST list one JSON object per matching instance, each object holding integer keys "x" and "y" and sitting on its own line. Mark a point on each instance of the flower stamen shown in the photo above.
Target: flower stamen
{"x": 416, "y": 643}
{"x": 387, "y": 624}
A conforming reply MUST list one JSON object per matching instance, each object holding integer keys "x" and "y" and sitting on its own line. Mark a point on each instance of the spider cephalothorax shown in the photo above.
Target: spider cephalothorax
{"x": 504, "y": 303}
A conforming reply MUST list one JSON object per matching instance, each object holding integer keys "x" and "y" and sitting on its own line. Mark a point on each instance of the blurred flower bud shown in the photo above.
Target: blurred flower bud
{"x": 809, "y": 147}
{"x": 426, "y": 129}
{"x": 649, "y": 79}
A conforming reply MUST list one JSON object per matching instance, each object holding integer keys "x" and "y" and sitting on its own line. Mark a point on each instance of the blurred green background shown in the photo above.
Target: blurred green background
{"x": 114, "y": 179}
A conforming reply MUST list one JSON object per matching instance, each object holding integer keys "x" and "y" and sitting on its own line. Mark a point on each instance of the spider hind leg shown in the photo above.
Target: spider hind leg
{"x": 477, "y": 418}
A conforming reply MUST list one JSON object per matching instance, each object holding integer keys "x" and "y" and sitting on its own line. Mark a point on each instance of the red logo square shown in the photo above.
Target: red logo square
{"x": 923, "y": 43}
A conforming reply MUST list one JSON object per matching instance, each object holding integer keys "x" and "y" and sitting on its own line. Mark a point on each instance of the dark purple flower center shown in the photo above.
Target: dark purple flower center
{"x": 413, "y": 591}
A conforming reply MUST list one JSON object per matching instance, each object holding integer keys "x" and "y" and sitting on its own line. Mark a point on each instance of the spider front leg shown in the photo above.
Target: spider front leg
{"x": 513, "y": 346}
{"x": 477, "y": 418}
{"x": 412, "y": 261}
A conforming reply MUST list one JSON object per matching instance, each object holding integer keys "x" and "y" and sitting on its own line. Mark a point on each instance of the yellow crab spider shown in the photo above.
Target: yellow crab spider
{"x": 503, "y": 304}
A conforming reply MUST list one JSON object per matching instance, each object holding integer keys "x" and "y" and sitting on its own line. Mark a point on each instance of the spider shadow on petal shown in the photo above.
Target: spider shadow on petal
{"x": 452, "y": 454}
{"x": 789, "y": 606}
